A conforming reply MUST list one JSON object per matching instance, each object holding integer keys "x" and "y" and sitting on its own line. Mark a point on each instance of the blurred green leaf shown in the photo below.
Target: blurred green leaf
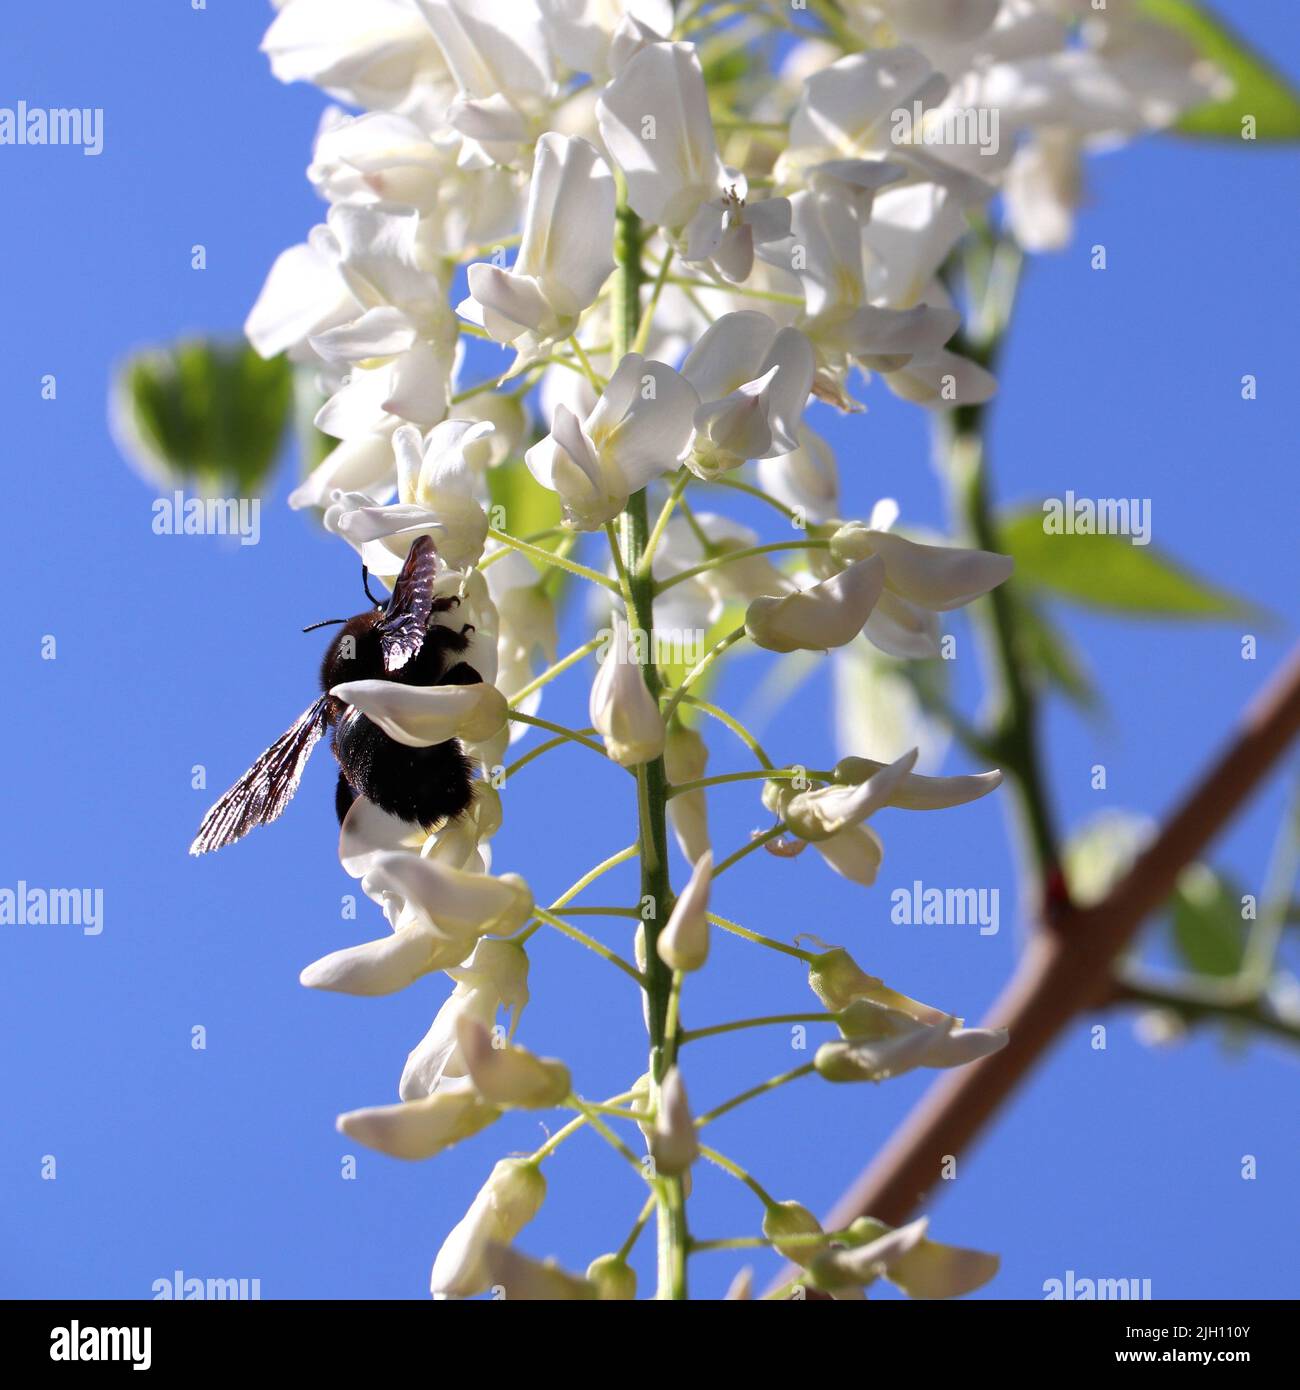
{"x": 1101, "y": 850}
{"x": 202, "y": 411}
{"x": 519, "y": 504}
{"x": 724, "y": 63}
{"x": 524, "y": 508}
{"x": 1259, "y": 89}
{"x": 1050, "y": 656}
{"x": 1208, "y": 930}
{"x": 1109, "y": 572}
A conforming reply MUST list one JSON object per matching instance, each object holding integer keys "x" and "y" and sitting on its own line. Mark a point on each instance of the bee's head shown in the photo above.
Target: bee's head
{"x": 355, "y": 653}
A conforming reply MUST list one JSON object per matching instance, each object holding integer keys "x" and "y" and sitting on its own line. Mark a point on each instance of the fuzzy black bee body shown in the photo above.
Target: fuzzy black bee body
{"x": 422, "y": 785}
{"x": 401, "y": 642}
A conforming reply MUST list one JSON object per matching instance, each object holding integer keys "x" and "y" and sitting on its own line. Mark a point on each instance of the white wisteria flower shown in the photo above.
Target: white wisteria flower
{"x": 600, "y": 36}
{"x": 497, "y": 55}
{"x": 422, "y": 715}
{"x": 437, "y": 914}
{"x": 831, "y": 818}
{"x": 380, "y": 55}
{"x": 398, "y": 353}
{"x": 640, "y": 427}
{"x": 439, "y": 494}
{"x": 384, "y": 157}
{"x": 421, "y": 1128}
{"x": 753, "y": 380}
{"x": 495, "y": 977}
{"x": 507, "y": 1075}
{"x": 654, "y": 119}
{"x": 921, "y": 580}
{"x": 564, "y": 258}
{"x": 827, "y": 615}
{"x": 884, "y": 1043}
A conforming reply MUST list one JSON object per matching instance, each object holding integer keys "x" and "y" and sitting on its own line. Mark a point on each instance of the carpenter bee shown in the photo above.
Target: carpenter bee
{"x": 396, "y": 641}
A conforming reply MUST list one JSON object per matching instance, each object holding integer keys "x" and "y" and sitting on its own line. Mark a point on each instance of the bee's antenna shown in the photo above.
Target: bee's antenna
{"x": 365, "y": 584}
{"x": 324, "y": 622}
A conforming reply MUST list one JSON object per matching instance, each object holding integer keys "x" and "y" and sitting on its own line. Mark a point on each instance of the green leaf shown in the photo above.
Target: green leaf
{"x": 1109, "y": 572}
{"x": 1259, "y": 89}
{"x": 1209, "y": 933}
{"x": 204, "y": 412}
{"x": 1052, "y": 660}
{"x": 520, "y": 504}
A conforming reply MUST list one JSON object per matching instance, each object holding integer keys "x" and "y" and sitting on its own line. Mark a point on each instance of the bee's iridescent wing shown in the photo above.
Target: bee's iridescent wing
{"x": 406, "y": 619}
{"x": 263, "y": 792}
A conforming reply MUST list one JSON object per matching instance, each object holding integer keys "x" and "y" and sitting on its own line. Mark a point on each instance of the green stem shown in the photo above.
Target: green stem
{"x": 557, "y": 669}
{"x": 760, "y": 940}
{"x": 549, "y": 557}
{"x": 694, "y": 1034}
{"x": 1015, "y": 731}
{"x": 761, "y": 1089}
{"x": 1194, "y": 1004}
{"x": 729, "y": 721}
{"x": 748, "y": 553}
{"x": 702, "y": 665}
{"x": 589, "y": 942}
{"x": 748, "y": 848}
{"x": 763, "y": 774}
{"x": 534, "y": 753}
{"x": 652, "y": 780}
{"x": 571, "y": 734}
{"x": 737, "y": 1172}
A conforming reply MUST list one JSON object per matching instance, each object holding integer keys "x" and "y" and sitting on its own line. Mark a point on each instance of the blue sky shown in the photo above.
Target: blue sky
{"x": 175, "y": 651}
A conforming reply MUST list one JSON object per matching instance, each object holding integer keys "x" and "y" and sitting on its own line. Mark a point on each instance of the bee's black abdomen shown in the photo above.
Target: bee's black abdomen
{"x": 344, "y": 796}
{"x": 420, "y": 785}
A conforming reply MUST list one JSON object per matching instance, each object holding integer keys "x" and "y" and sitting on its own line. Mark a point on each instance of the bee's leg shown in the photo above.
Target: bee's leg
{"x": 344, "y": 796}
{"x": 462, "y": 673}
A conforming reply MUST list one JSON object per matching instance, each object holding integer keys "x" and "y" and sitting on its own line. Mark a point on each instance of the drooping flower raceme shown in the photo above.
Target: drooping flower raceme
{"x": 707, "y": 267}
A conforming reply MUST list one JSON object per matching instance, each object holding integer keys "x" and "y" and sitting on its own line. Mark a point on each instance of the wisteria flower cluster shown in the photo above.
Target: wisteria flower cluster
{"x": 684, "y": 225}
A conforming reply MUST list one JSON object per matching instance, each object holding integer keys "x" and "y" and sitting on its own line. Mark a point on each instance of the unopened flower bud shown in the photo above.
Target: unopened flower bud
{"x": 622, "y": 709}
{"x": 674, "y": 1143}
{"x": 686, "y": 759}
{"x": 684, "y": 942}
{"x": 792, "y": 1219}
{"x": 837, "y": 980}
{"x": 614, "y": 1279}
